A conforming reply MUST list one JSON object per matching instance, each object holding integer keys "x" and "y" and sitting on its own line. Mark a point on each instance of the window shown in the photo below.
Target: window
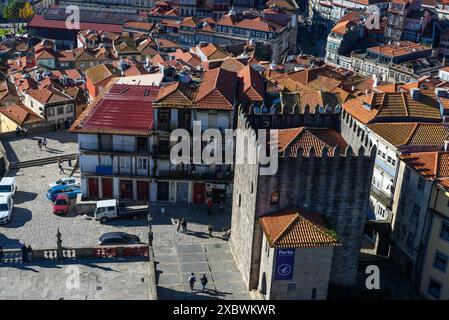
{"x": 142, "y": 163}
{"x": 69, "y": 108}
{"x": 421, "y": 184}
{"x": 275, "y": 197}
{"x": 440, "y": 261}
{"x": 445, "y": 231}
{"x": 105, "y": 161}
{"x": 60, "y": 110}
{"x": 434, "y": 289}
{"x": 125, "y": 162}
{"x": 50, "y": 112}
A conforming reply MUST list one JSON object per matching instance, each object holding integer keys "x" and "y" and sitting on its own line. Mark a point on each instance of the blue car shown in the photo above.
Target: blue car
{"x": 71, "y": 191}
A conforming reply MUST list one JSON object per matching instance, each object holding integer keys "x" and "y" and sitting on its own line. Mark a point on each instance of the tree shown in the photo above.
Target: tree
{"x": 26, "y": 12}
{"x": 12, "y": 12}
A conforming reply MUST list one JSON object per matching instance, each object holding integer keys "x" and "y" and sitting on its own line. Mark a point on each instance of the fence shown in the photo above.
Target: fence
{"x": 13, "y": 256}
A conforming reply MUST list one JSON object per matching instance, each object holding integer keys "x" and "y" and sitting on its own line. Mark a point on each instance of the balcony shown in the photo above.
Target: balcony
{"x": 188, "y": 174}
{"x": 382, "y": 197}
{"x": 119, "y": 149}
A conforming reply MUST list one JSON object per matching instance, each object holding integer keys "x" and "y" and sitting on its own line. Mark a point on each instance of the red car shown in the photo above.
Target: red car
{"x": 62, "y": 204}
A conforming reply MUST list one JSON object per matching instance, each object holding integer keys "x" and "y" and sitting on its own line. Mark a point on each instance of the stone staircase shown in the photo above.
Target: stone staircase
{"x": 41, "y": 162}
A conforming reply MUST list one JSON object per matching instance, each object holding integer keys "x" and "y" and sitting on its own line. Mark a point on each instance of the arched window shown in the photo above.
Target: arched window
{"x": 275, "y": 197}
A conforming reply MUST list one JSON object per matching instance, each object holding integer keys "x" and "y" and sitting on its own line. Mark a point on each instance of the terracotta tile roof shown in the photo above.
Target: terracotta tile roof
{"x": 217, "y": 90}
{"x": 373, "y": 106}
{"x": 342, "y": 27}
{"x": 411, "y": 133}
{"x": 430, "y": 165}
{"x": 20, "y": 114}
{"x": 101, "y": 72}
{"x": 296, "y": 228}
{"x": 49, "y": 95}
{"x": 232, "y": 64}
{"x": 388, "y": 87}
{"x": 398, "y": 49}
{"x": 290, "y": 140}
{"x": 251, "y": 85}
{"x": 174, "y": 94}
{"x": 213, "y": 52}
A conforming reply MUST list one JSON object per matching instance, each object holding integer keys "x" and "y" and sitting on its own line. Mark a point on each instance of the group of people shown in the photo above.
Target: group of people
{"x": 42, "y": 143}
{"x": 192, "y": 280}
{"x": 20, "y": 131}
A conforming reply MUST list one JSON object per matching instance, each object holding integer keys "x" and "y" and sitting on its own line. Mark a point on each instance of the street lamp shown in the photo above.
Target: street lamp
{"x": 150, "y": 232}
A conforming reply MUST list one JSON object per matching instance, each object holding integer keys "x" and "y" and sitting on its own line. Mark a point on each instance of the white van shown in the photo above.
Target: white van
{"x": 8, "y": 185}
{"x": 6, "y": 208}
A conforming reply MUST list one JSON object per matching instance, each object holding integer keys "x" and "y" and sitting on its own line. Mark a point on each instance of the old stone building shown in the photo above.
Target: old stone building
{"x": 318, "y": 172}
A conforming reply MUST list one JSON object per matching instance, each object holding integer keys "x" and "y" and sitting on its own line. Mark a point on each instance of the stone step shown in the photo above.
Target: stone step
{"x": 43, "y": 161}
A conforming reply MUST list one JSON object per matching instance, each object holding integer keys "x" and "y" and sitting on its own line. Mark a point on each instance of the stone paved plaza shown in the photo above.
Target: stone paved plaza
{"x": 32, "y": 221}
{"x": 177, "y": 253}
{"x": 98, "y": 280}
{"x": 174, "y": 265}
{"x": 20, "y": 149}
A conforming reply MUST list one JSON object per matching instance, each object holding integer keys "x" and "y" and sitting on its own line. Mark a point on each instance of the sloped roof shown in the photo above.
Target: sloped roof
{"x": 290, "y": 140}
{"x": 20, "y": 114}
{"x": 101, "y": 72}
{"x": 393, "y": 105}
{"x": 430, "y": 165}
{"x": 296, "y": 228}
{"x": 217, "y": 90}
{"x": 175, "y": 94}
{"x": 411, "y": 133}
{"x": 251, "y": 85}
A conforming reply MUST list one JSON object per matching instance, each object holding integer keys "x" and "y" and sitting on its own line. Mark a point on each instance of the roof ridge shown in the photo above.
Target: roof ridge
{"x": 285, "y": 229}
{"x": 405, "y": 104}
{"x": 412, "y": 133}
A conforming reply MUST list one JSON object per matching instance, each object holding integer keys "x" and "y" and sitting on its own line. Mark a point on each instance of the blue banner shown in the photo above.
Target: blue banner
{"x": 285, "y": 260}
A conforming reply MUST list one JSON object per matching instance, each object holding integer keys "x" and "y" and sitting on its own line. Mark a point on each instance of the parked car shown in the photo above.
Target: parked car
{"x": 111, "y": 209}
{"x": 67, "y": 181}
{"x": 112, "y": 238}
{"x": 6, "y": 208}
{"x": 61, "y": 204}
{"x": 8, "y": 185}
{"x": 71, "y": 191}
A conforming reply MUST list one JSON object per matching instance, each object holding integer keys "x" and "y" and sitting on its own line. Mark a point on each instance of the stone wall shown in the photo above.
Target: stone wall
{"x": 243, "y": 211}
{"x": 338, "y": 187}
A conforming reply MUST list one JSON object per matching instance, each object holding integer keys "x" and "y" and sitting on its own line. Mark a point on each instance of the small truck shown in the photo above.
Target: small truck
{"x": 111, "y": 209}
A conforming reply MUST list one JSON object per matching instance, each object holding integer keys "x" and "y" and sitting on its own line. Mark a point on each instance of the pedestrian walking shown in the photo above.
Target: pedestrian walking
{"x": 210, "y": 229}
{"x": 179, "y": 224}
{"x": 18, "y": 131}
{"x": 61, "y": 169}
{"x": 204, "y": 281}
{"x": 39, "y": 143}
{"x": 25, "y": 131}
{"x": 150, "y": 236}
{"x": 184, "y": 225}
{"x": 29, "y": 253}
{"x": 192, "y": 280}
{"x": 209, "y": 207}
{"x": 24, "y": 253}
{"x": 44, "y": 143}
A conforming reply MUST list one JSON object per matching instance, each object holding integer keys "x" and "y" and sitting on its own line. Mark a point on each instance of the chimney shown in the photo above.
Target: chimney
{"x": 415, "y": 93}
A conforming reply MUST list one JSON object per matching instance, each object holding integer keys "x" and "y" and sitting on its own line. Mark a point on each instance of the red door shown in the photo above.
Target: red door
{"x": 143, "y": 188}
{"x": 107, "y": 188}
{"x": 93, "y": 187}
{"x": 199, "y": 195}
